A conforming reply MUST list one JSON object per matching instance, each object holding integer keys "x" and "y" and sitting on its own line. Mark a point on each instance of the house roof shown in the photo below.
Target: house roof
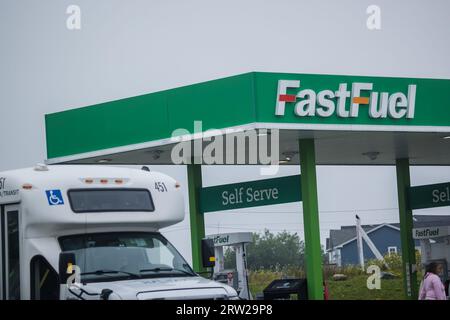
{"x": 422, "y": 221}
{"x": 347, "y": 234}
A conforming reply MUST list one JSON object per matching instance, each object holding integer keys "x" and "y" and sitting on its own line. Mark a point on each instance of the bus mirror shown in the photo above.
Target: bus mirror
{"x": 208, "y": 258}
{"x": 66, "y": 261}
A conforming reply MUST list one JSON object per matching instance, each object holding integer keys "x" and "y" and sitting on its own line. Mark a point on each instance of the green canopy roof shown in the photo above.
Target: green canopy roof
{"x": 131, "y": 129}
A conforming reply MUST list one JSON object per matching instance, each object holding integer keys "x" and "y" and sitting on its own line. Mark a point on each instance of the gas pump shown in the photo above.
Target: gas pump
{"x": 237, "y": 278}
{"x": 435, "y": 247}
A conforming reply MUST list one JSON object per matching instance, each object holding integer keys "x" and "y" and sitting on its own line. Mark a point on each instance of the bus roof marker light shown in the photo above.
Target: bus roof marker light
{"x": 103, "y": 181}
{"x": 177, "y": 185}
{"x": 41, "y": 167}
{"x": 27, "y": 186}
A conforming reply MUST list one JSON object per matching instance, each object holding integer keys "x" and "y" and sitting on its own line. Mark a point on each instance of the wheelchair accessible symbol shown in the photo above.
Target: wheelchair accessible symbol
{"x": 54, "y": 197}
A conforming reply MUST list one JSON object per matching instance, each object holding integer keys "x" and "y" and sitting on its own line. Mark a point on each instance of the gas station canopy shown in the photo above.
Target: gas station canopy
{"x": 353, "y": 120}
{"x": 318, "y": 120}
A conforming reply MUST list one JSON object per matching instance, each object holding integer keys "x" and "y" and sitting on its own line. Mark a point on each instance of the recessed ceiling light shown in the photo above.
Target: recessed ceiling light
{"x": 288, "y": 155}
{"x": 103, "y": 160}
{"x": 372, "y": 155}
{"x": 284, "y": 161}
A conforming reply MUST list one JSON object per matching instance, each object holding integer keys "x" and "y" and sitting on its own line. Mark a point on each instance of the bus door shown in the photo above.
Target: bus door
{"x": 10, "y": 257}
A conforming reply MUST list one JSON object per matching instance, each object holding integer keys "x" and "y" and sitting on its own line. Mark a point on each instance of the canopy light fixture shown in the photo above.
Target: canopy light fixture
{"x": 288, "y": 155}
{"x": 372, "y": 155}
{"x": 103, "y": 160}
{"x": 156, "y": 154}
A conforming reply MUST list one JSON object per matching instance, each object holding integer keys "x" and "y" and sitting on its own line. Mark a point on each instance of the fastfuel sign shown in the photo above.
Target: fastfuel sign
{"x": 348, "y": 100}
{"x": 426, "y": 233}
{"x": 221, "y": 240}
{"x": 431, "y": 232}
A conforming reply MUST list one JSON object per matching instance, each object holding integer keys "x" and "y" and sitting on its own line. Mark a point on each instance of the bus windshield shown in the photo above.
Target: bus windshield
{"x": 124, "y": 255}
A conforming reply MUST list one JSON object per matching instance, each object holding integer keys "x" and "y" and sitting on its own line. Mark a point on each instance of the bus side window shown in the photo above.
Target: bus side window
{"x": 44, "y": 280}
{"x": 12, "y": 218}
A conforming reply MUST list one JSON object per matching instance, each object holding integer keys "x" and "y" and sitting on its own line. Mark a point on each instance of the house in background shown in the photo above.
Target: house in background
{"x": 341, "y": 244}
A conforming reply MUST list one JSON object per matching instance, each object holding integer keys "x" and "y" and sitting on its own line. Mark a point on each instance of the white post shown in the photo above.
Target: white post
{"x": 361, "y": 234}
{"x": 219, "y": 266}
{"x": 359, "y": 242}
{"x": 241, "y": 269}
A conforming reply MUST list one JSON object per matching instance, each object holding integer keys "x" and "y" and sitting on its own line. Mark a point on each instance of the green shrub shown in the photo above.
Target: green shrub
{"x": 394, "y": 261}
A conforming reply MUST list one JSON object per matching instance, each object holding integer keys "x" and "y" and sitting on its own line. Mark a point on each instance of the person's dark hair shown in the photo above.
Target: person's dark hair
{"x": 432, "y": 267}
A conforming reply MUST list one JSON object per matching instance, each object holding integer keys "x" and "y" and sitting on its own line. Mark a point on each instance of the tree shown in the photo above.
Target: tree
{"x": 271, "y": 251}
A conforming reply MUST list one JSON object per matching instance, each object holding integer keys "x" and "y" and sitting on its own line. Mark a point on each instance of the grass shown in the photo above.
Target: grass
{"x": 354, "y": 288}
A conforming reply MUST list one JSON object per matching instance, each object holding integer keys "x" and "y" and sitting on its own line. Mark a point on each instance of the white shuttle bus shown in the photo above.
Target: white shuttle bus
{"x": 91, "y": 232}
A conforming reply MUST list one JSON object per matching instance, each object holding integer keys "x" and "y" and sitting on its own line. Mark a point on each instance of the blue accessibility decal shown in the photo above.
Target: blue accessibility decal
{"x": 54, "y": 197}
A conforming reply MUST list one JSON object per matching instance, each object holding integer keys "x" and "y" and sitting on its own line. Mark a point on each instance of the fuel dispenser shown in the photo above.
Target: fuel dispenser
{"x": 435, "y": 247}
{"x": 237, "y": 278}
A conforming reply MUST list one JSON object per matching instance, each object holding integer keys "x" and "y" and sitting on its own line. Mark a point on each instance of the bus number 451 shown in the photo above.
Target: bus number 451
{"x": 160, "y": 186}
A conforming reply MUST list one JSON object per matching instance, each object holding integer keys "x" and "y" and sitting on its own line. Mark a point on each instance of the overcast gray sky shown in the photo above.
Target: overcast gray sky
{"x": 127, "y": 48}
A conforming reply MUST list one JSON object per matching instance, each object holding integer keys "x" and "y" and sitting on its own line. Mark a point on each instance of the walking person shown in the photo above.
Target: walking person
{"x": 431, "y": 287}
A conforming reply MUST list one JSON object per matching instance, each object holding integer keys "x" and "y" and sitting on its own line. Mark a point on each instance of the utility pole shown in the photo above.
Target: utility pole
{"x": 362, "y": 235}
{"x": 359, "y": 242}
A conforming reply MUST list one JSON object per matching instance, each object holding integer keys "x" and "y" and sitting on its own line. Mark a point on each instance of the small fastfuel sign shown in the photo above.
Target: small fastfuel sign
{"x": 221, "y": 240}
{"x": 431, "y": 232}
{"x": 426, "y": 233}
{"x": 345, "y": 101}
{"x": 429, "y": 196}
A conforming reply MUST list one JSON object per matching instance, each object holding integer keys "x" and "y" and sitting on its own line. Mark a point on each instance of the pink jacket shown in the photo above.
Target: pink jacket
{"x": 432, "y": 288}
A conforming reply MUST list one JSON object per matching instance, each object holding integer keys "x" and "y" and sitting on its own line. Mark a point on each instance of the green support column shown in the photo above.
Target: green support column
{"x": 194, "y": 173}
{"x": 313, "y": 250}
{"x": 406, "y": 226}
